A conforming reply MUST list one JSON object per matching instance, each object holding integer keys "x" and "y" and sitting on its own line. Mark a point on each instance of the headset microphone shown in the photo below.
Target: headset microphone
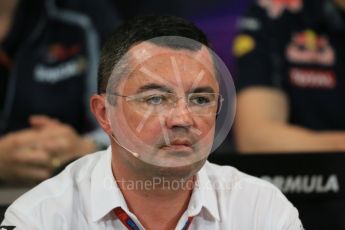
{"x": 114, "y": 138}
{"x": 133, "y": 153}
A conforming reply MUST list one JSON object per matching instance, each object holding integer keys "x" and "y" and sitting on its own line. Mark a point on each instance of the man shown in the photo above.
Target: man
{"x": 48, "y": 56}
{"x": 290, "y": 77}
{"x": 158, "y": 100}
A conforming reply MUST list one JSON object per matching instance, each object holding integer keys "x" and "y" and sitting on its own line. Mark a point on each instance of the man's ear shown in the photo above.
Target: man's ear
{"x": 99, "y": 110}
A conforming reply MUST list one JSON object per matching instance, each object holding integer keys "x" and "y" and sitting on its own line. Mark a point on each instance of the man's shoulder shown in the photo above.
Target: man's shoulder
{"x": 235, "y": 187}
{"x": 61, "y": 187}
{"x": 243, "y": 197}
{"x": 229, "y": 175}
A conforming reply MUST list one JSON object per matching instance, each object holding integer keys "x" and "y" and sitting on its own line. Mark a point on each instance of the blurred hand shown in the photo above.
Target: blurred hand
{"x": 22, "y": 160}
{"x": 60, "y": 140}
{"x": 31, "y": 155}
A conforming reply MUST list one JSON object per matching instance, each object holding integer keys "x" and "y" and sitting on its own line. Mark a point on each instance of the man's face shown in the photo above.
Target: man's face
{"x": 167, "y": 117}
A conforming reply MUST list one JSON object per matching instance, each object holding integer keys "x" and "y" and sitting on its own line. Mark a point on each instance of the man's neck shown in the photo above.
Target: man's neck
{"x": 157, "y": 202}
{"x": 157, "y": 207}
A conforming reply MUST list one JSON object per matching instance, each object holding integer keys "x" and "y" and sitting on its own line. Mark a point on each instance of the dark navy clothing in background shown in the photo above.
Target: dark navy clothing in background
{"x": 299, "y": 47}
{"x": 48, "y": 61}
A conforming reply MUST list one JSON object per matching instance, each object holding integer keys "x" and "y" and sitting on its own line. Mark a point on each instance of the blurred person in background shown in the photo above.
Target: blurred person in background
{"x": 291, "y": 77}
{"x": 48, "y": 63}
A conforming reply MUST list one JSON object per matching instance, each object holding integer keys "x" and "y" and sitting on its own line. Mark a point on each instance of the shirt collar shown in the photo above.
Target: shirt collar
{"x": 105, "y": 194}
{"x": 203, "y": 196}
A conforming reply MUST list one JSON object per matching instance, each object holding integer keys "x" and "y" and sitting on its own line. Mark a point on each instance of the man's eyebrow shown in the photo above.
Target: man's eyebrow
{"x": 206, "y": 89}
{"x": 153, "y": 86}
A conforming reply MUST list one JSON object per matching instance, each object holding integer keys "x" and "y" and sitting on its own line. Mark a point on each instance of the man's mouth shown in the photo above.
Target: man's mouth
{"x": 179, "y": 145}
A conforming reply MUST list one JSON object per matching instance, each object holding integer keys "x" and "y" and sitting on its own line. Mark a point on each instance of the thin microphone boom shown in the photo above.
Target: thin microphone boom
{"x": 133, "y": 153}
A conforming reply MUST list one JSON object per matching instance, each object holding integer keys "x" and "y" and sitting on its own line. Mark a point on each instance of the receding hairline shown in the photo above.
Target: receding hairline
{"x": 121, "y": 72}
{"x": 143, "y": 28}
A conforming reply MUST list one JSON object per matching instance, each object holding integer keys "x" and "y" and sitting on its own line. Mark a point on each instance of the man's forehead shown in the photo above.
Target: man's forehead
{"x": 148, "y": 63}
{"x": 170, "y": 67}
{"x": 144, "y": 51}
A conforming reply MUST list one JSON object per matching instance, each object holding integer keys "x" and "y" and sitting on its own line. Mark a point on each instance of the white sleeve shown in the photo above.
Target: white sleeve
{"x": 16, "y": 220}
{"x": 296, "y": 225}
{"x": 286, "y": 214}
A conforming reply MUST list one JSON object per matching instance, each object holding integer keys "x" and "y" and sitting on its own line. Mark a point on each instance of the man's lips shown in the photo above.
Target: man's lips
{"x": 179, "y": 145}
{"x": 181, "y": 142}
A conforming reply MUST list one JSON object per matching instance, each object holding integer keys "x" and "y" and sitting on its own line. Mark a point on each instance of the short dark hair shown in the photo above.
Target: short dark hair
{"x": 141, "y": 29}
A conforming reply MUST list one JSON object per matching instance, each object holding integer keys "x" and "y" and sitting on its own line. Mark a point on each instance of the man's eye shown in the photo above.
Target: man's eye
{"x": 199, "y": 100}
{"x": 155, "y": 100}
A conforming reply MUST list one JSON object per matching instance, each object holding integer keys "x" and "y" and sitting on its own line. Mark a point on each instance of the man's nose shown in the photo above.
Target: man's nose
{"x": 180, "y": 116}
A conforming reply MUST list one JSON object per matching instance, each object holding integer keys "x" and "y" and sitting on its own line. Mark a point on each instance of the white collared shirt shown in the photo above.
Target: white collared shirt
{"x": 85, "y": 193}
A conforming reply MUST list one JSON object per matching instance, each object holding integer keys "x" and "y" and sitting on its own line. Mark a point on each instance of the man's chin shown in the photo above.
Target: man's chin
{"x": 179, "y": 168}
{"x": 175, "y": 158}
{"x": 170, "y": 163}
